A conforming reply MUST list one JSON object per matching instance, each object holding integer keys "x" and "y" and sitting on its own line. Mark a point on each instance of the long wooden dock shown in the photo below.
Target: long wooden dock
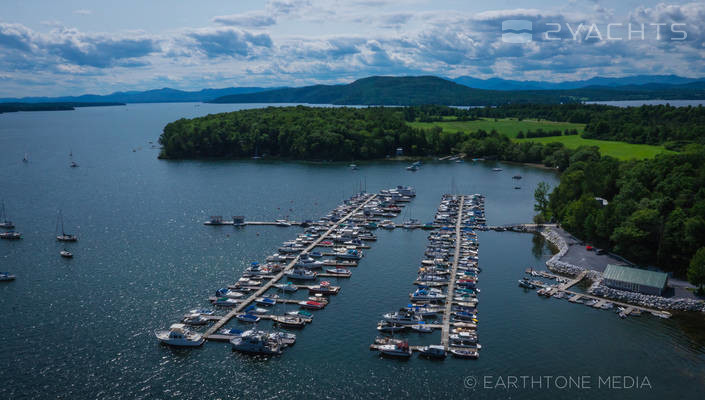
{"x": 445, "y": 331}
{"x": 241, "y": 306}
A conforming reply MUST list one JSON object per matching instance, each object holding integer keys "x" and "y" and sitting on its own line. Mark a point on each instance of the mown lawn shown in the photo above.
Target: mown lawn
{"x": 618, "y": 150}
{"x": 512, "y": 126}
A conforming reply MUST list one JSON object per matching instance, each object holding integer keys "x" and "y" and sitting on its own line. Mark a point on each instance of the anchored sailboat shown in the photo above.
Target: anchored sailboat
{"x": 4, "y": 222}
{"x": 64, "y": 237}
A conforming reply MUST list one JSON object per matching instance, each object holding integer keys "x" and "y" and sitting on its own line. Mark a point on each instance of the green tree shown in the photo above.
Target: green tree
{"x": 541, "y": 197}
{"x": 696, "y": 271}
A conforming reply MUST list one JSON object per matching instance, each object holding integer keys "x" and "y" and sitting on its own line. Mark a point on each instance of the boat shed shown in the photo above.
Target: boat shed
{"x": 634, "y": 279}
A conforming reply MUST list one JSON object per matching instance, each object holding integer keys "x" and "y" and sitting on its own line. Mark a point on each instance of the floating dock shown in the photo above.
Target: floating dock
{"x": 445, "y": 332}
{"x": 452, "y": 243}
{"x": 290, "y": 266}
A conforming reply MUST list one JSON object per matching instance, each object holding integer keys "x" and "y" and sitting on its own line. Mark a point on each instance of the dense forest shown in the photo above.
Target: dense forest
{"x": 656, "y": 209}
{"x": 317, "y": 133}
{"x": 658, "y": 124}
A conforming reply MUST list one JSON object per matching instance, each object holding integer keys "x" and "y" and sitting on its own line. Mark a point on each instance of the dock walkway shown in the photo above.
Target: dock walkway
{"x": 445, "y": 330}
{"x": 241, "y": 306}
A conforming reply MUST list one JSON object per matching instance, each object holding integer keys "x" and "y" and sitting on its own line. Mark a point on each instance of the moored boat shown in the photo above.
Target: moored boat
{"x": 178, "y": 335}
{"x": 256, "y": 342}
{"x": 396, "y": 350}
{"x": 433, "y": 351}
{"x": 249, "y": 318}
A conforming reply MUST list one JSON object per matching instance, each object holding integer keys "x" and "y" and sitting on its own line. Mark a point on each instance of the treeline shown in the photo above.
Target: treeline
{"x": 317, "y": 133}
{"x": 656, "y": 209}
{"x": 309, "y": 133}
{"x": 539, "y": 133}
{"x": 63, "y": 106}
{"x": 674, "y": 127}
{"x": 649, "y": 124}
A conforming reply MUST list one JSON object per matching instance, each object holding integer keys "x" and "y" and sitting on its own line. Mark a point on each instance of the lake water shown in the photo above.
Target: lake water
{"x": 82, "y": 328}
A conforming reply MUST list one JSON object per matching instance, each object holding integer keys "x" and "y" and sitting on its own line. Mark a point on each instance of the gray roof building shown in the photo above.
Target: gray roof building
{"x": 634, "y": 279}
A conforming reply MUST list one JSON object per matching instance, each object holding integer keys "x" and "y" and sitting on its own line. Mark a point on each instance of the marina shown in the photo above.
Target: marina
{"x": 175, "y": 263}
{"x": 343, "y": 228}
{"x": 451, "y": 262}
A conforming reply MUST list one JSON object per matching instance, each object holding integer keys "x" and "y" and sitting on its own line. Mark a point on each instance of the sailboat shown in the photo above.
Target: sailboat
{"x": 4, "y": 222}
{"x": 26, "y": 158}
{"x": 73, "y": 163}
{"x": 64, "y": 237}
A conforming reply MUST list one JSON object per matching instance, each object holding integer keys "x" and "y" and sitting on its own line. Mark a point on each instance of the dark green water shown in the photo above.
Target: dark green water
{"x": 82, "y": 328}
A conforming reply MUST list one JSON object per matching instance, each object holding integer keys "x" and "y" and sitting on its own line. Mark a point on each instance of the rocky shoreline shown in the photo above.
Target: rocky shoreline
{"x": 555, "y": 264}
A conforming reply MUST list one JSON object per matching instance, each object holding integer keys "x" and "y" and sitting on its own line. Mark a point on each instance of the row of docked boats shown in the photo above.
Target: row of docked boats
{"x": 301, "y": 264}
{"x": 438, "y": 270}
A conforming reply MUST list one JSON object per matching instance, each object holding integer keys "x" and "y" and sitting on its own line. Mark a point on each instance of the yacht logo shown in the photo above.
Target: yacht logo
{"x": 517, "y": 31}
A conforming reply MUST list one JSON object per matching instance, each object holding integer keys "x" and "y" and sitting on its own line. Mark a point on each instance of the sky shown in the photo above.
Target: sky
{"x": 52, "y": 48}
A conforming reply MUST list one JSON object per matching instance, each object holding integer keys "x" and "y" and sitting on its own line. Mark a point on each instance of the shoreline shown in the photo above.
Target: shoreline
{"x": 555, "y": 264}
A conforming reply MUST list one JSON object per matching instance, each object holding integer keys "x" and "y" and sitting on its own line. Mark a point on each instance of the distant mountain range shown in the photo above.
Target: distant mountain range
{"x": 384, "y": 90}
{"x": 381, "y": 90}
{"x": 165, "y": 95}
{"x": 504, "y": 84}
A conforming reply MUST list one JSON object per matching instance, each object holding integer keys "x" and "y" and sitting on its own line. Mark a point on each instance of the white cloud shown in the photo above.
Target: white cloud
{"x": 82, "y": 12}
{"x": 249, "y": 48}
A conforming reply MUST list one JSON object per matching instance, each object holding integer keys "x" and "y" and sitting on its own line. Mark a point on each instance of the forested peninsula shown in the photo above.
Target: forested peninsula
{"x": 656, "y": 207}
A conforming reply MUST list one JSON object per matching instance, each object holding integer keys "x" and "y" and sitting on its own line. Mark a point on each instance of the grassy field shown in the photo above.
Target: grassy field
{"x": 618, "y": 150}
{"x": 512, "y": 126}
{"x": 506, "y": 126}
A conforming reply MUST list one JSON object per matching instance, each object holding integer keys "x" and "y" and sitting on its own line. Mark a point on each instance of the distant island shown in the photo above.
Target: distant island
{"x": 67, "y": 106}
{"x": 417, "y": 90}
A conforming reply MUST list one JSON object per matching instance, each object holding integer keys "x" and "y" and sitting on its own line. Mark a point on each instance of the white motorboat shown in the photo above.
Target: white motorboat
{"x": 257, "y": 342}
{"x": 250, "y": 318}
{"x": 66, "y": 254}
{"x": 309, "y": 263}
{"x": 465, "y": 353}
{"x": 194, "y": 319}
{"x": 225, "y": 292}
{"x": 6, "y": 276}
{"x": 301, "y": 274}
{"x": 225, "y": 302}
{"x": 421, "y": 328}
{"x": 463, "y": 339}
{"x": 427, "y": 294}
{"x": 402, "y": 318}
{"x": 342, "y": 272}
{"x": 288, "y": 288}
{"x": 285, "y": 338}
{"x": 178, "y": 335}
{"x": 10, "y": 235}
{"x": 433, "y": 351}
{"x": 395, "y": 350}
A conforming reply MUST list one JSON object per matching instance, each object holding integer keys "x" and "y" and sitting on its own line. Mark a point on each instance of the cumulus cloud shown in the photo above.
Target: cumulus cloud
{"x": 229, "y": 42}
{"x": 99, "y": 51}
{"x": 253, "y": 19}
{"x": 372, "y": 37}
